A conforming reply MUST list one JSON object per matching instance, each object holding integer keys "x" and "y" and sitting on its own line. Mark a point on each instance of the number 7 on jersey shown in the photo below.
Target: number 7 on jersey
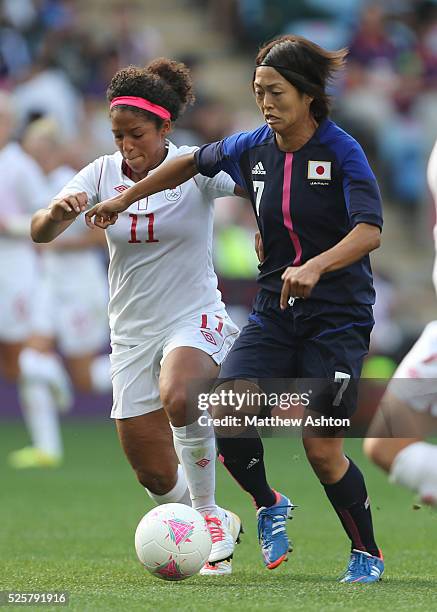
{"x": 258, "y": 187}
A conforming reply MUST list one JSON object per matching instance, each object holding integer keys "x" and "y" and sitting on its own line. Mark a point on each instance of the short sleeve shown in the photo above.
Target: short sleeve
{"x": 361, "y": 191}
{"x": 225, "y": 155}
{"x": 432, "y": 172}
{"x": 219, "y": 156}
{"x": 34, "y": 190}
{"x": 87, "y": 180}
{"x": 218, "y": 186}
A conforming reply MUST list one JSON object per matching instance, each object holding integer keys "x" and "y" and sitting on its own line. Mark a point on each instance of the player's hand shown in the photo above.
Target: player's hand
{"x": 259, "y": 248}
{"x": 106, "y": 213}
{"x": 69, "y": 207}
{"x": 299, "y": 281}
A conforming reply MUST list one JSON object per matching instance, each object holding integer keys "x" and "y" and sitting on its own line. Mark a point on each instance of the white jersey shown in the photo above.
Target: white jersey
{"x": 160, "y": 249}
{"x": 55, "y": 262}
{"x": 415, "y": 379}
{"x": 71, "y": 299}
{"x": 432, "y": 182}
{"x": 23, "y": 189}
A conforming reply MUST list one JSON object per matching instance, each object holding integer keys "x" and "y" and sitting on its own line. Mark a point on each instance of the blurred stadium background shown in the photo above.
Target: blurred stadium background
{"x": 57, "y": 57}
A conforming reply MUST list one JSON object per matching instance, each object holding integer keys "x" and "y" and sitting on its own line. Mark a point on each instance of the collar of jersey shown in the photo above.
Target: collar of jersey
{"x": 319, "y": 130}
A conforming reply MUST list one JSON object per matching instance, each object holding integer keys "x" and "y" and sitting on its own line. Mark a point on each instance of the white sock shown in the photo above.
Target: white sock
{"x": 47, "y": 367}
{"x": 41, "y": 416}
{"x": 195, "y": 448}
{"x": 415, "y": 467}
{"x": 178, "y": 495}
{"x": 100, "y": 373}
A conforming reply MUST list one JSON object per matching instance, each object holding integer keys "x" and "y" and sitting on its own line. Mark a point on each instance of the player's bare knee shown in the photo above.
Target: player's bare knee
{"x": 159, "y": 481}
{"x": 81, "y": 379}
{"x": 373, "y": 449}
{"x": 323, "y": 461}
{"x": 81, "y": 385}
{"x": 317, "y": 455}
{"x": 174, "y": 401}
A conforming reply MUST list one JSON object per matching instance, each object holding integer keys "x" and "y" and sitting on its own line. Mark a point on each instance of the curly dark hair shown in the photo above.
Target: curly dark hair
{"x": 163, "y": 82}
{"x": 305, "y": 65}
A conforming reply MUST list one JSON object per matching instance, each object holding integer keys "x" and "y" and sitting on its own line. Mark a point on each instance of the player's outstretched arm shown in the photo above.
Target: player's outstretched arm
{"x": 169, "y": 175}
{"x": 47, "y": 223}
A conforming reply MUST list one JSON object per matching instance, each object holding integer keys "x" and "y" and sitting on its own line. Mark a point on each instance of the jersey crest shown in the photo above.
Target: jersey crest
{"x": 173, "y": 195}
{"x": 319, "y": 170}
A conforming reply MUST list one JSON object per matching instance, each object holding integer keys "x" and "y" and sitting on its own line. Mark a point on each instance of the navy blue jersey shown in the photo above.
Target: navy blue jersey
{"x": 305, "y": 202}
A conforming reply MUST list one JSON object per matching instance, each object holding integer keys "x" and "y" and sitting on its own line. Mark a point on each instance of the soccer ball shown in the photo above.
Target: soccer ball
{"x": 172, "y": 541}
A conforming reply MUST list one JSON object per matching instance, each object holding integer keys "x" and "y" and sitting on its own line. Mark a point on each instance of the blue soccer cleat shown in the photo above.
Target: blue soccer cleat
{"x": 363, "y": 567}
{"x": 272, "y": 535}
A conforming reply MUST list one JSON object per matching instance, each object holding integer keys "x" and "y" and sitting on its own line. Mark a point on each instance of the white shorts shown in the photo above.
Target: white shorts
{"x": 415, "y": 380}
{"x": 135, "y": 370}
{"x": 76, "y": 317}
{"x": 17, "y": 288}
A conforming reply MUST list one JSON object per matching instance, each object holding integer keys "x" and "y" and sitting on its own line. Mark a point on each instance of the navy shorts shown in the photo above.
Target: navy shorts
{"x": 311, "y": 339}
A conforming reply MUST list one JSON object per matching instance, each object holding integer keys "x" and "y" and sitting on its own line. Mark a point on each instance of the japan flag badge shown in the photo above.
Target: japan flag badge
{"x": 319, "y": 170}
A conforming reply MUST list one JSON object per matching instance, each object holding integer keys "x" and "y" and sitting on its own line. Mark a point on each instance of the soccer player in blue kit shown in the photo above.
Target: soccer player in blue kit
{"x": 318, "y": 209}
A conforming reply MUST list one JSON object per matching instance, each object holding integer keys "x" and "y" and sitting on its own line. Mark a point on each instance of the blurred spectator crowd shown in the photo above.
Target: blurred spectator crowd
{"x": 388, "y": 96}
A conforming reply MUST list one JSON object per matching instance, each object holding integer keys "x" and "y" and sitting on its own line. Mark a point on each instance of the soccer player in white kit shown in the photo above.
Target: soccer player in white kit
{"x": 166, "y": 330}
{"x": 68, "y": 313}
{"x": 23, "y": 190}
{"x": 408, "y": 408}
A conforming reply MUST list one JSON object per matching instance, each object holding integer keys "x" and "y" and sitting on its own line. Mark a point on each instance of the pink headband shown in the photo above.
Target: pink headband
{"x": 141, "y": 103}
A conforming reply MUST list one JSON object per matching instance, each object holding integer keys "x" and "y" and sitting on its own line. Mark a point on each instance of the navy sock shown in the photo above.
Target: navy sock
{"x": 351, "y": 503}
{"x": 244, "y": 459}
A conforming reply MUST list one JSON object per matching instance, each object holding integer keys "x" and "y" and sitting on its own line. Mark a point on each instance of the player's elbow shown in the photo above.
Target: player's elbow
{"x": 36, "y": 238}
{"x": 37, "y": 231}
{"x": 376, "y": 243}
{"x": 374, "y": 237}
{"x": 37, "y": 234}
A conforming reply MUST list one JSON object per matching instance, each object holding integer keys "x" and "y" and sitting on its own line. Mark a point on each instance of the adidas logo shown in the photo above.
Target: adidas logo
{"x": 258, "y": 169}
{"x": 253, "y": 461}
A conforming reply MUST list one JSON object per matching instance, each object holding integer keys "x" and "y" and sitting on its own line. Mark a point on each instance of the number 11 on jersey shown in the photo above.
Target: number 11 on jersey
{"x": 150, "y": 227}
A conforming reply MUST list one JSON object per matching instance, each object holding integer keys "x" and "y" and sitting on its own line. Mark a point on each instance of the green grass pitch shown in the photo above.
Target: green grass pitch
{"x": 72, "y": 528}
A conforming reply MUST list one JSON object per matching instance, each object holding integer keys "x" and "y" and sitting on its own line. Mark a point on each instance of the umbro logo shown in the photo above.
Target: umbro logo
{"x": 121, "y": 188}
{"x": 258, "y": 169}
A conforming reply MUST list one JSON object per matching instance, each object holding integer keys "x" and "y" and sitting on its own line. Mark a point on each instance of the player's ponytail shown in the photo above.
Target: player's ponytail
{"x": 177, "y": 76}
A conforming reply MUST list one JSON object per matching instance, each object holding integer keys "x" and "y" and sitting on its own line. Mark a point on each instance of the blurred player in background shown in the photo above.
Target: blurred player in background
{"x": 69, "y": 313}
{"x": 23, "y": 190}
{"x": 168, "y": 323}
{"x": 318, "y": 208}
{"x": 408, "y": 411}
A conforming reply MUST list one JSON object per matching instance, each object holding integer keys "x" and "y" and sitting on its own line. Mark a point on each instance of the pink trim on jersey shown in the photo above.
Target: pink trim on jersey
{"x": 141, "y": 103}
{"x": 286, "y": 191}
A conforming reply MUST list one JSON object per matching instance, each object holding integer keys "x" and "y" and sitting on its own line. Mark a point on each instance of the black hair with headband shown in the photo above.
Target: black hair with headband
{"x": 305, "y": 65}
